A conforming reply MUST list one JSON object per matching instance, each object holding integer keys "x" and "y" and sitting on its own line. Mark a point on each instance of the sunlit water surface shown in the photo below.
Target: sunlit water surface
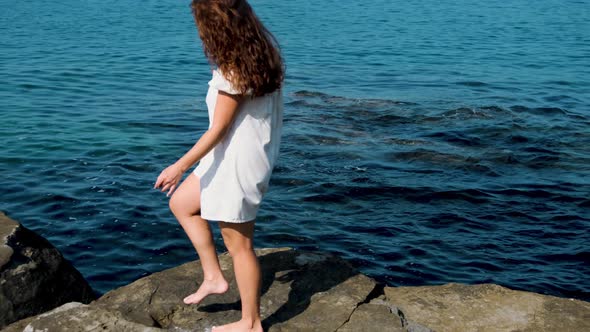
{"x": 427, "y": 142}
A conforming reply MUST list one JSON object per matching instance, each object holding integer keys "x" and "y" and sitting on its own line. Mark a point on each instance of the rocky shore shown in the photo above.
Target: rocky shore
{"x": 302, "y": 291}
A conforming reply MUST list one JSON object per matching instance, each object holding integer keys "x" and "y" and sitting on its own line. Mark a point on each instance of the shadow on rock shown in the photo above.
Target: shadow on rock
{"x": 300, "y": 291}
{"x": 290, "y": 279}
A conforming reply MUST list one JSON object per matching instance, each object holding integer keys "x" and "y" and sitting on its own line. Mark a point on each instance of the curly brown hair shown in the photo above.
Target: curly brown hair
{"x": 241, "y": 47}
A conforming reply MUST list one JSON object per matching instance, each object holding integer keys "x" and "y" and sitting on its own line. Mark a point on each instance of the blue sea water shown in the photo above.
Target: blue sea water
{"x": 428, "y": 142}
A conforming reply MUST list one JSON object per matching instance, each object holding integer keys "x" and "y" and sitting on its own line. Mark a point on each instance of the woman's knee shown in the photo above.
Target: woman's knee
{"x": 237, "y": 239}
{"x": 175, "y": 204}
{"x": 185, "y": 200}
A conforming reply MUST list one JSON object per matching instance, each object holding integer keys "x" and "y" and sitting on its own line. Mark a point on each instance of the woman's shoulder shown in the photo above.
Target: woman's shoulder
{"x": 220, "y": 82}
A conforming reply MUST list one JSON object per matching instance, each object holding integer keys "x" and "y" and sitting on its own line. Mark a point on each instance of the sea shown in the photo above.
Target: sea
{"x": 426, "y": 142}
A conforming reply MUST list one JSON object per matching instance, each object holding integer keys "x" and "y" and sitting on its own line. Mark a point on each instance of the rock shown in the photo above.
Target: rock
{"x": 301, "y": 291}
{"x": 488, "y": 307}
{"x": 34, "y": 276}
{"x": 369, "y": 315}
{"x": 310, "y": 291}
{"x": 75, "y": 316}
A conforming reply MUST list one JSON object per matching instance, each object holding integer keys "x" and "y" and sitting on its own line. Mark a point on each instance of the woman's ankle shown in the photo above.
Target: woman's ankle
{"x": 251, "y": 322}
{"x": 214, "y": 277}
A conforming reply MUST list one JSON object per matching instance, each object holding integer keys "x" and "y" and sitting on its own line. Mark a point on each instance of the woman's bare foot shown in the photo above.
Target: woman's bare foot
{"x": 242, "y": 325}
{"x": 215, "y": 286}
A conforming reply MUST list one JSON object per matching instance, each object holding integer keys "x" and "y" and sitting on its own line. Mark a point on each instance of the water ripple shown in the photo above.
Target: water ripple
{"x": 422, "y": 151}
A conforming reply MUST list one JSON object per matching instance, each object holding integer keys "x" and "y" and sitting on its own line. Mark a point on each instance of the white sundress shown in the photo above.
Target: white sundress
{"x": 235, "y": 174}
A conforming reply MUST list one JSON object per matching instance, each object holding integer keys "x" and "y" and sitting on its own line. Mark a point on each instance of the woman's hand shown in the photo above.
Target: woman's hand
{"x": 169, "y": 178}
{"x": 226, "y": 110}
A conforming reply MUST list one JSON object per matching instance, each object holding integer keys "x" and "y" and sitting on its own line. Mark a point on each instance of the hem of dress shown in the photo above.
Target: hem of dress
{"x": 196, "y": 171}
{"x": 233, "y": 221}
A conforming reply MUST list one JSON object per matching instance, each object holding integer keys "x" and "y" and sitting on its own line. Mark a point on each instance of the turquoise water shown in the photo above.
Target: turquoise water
{"x": 427, "y": 142}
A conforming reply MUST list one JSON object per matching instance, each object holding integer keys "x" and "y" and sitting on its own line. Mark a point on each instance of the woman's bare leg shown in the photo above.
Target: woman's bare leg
{"x": 238, "y": 240}
{"x": 186, "y": 207}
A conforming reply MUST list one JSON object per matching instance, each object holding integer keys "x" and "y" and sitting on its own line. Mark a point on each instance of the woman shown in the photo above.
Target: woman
{"x": 236, "y": 154}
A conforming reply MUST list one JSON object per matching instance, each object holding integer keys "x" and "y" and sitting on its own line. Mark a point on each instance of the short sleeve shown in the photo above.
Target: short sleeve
{"x": 219, "y": 82}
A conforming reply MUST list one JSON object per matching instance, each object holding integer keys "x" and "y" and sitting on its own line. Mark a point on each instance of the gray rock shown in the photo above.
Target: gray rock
{"x": 488, "y": 307}
{"x": 376, "y": 313}
{"x": 305, "y": 291}
{"x": 301, "y": 291}
{"x": 75, "y": 316}
{"x": 34, "y": 276}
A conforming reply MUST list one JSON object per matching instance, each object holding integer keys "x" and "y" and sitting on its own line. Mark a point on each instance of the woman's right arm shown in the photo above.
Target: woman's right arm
{"x": 226, "y": 109}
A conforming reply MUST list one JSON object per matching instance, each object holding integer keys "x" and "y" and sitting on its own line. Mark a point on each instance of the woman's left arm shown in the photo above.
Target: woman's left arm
{"x": 226, "y": 109}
